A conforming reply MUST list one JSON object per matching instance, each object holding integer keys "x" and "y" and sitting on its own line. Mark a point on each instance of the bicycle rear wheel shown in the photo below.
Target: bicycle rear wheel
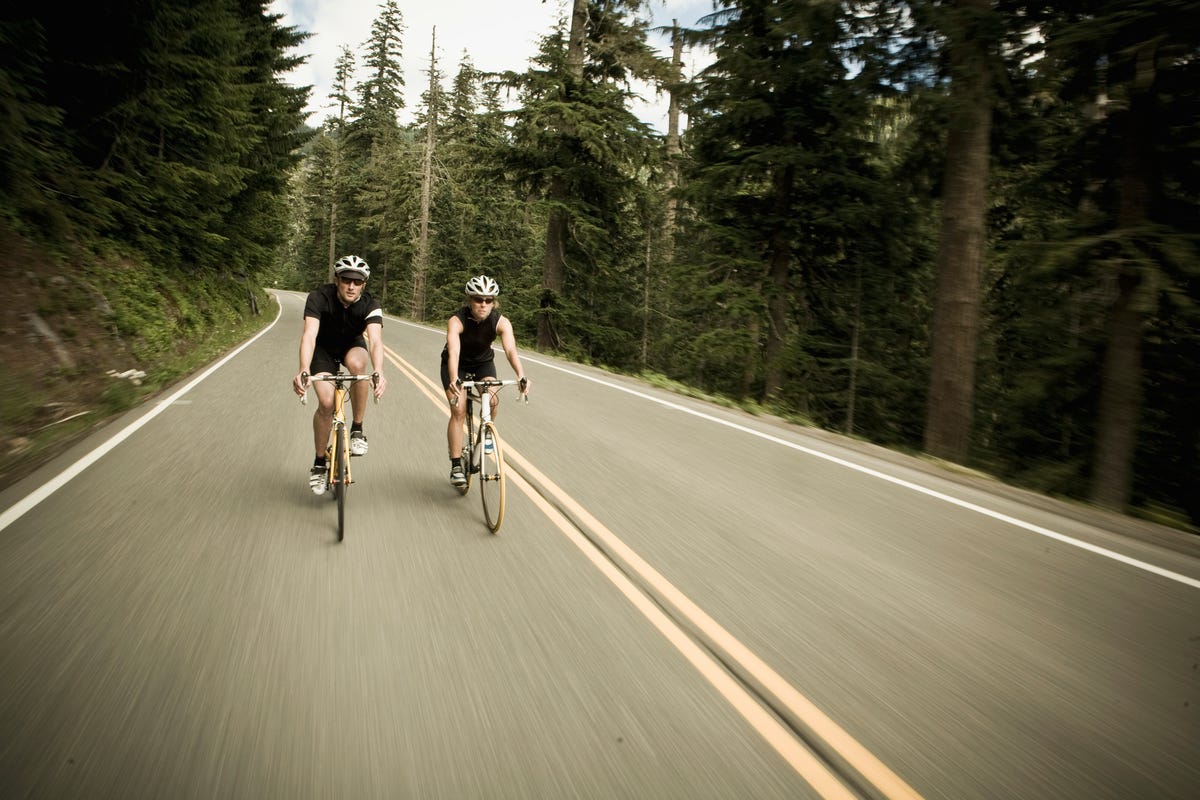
{"x": 341, "y": 480}
{"x": 491, "y": 476}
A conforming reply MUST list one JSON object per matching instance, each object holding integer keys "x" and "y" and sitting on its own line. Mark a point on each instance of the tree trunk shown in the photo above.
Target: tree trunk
{"x": 1121, "y": 375}
{"x": 777, "y": 315}
{"x": 671, "y": 178}
{"x": 553, "y": 267}
{"x": 852, "y": 391}
{"x": 337, "y": 149}
{"x": 962, "y": 247}
{"x": 646, "y": 303}
{"x": 778, "y": 296}
{"x": 1120, "y": 399}
{"x": 750, "y": 369}
{"x": 332, "y": 236}
{"x": 421, "y": 267}
{"x": 554, "y": 261}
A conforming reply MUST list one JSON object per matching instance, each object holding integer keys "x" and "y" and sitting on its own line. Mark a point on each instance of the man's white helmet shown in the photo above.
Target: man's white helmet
{"x": 352, "y": 264}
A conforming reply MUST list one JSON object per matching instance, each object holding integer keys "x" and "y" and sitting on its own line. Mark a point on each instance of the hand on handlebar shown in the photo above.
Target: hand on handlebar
{"x": 300, "y": 385}
{"x": 380, "y": 384}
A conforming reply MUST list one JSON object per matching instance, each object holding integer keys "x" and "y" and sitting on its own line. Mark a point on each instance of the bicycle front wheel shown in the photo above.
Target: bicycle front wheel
{"x": 491, "y": 476}
{"x": 341, "y": 479}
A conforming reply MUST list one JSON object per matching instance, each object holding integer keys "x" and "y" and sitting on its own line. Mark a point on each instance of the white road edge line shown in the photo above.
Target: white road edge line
{"x": 996, "y": 515}
{"x": 31, "y": 500}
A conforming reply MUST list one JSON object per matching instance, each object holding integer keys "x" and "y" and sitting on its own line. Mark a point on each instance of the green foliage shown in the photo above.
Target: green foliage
{"x": 580, "y": 154}
{"x": 380, "y": 96}
{"x": 165, "y": 123}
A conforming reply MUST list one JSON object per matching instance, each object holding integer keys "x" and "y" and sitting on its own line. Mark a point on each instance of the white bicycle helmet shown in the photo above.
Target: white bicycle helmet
{"x": 352, "y": 264}
{"x": 483, "y": 285}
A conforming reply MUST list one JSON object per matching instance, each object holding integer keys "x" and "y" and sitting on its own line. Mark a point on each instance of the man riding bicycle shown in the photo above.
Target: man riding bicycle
{"x": 468, "y": 355}
{"x": 341, "y": 320}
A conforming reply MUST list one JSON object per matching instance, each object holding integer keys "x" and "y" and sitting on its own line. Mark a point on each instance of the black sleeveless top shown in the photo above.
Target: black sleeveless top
{"x": 476, "y": 339}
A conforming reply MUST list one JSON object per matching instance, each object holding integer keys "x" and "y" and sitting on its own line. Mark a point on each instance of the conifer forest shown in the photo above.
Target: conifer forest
{"x": 968, "y": 228}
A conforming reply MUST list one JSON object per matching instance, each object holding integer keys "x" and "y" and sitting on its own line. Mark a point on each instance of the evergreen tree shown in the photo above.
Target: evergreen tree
{"x": 368, "y": 152}
{"x": 343, "y": 73}
{"x": 255, "y": 220}
{"x": 779, "y": 181}
{"x": 578, "y": 147}
{"x": 482, "y": 225}
{"x": 177, "y": 120}
{"x": 381, "y": 94}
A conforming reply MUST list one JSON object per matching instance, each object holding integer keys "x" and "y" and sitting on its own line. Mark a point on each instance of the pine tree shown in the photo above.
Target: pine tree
{"x": 381, "y": 94}
{"x": 778, "y": 154}
{"x": 578, "y": 147}
{"x": 255, "y": 219}
{"x": 180, "y": 127}
{"x": 482, "y": 223}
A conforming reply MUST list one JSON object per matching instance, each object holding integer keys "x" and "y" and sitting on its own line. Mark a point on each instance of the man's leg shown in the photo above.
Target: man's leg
{"x": 358, "y": 362}
{"x": 323, "y": 416}
{"x": 322, "y": 422}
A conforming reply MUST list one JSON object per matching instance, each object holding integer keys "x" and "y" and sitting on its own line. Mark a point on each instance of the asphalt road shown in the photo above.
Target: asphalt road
{"x": 684, "y": 601}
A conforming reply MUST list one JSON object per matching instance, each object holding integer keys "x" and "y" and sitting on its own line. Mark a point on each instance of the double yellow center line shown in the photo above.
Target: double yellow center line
{"x": 811, "y": 768}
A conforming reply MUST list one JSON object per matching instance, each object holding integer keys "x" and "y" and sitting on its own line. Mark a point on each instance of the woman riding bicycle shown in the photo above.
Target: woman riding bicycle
{"x": 468, "y": 355}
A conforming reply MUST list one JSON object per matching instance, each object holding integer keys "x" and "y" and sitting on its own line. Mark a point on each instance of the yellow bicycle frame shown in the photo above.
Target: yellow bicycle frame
{"x": 339, "y": 421}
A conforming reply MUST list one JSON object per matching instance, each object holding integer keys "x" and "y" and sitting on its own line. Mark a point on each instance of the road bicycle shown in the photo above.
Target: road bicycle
{"x": 482, "y": 452}
{"x": 337, "y": 452}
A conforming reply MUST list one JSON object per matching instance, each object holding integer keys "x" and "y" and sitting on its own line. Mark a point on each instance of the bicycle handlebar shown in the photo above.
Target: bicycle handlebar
{"x": 489, "y": 383}
{"x": 340, "y": 377}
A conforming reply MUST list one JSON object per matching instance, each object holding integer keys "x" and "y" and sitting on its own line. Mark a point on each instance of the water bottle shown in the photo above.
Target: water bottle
{"x": 488, "y": 447}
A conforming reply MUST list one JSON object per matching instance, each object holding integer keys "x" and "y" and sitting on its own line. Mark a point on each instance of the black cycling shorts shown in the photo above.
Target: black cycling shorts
{"x": 325, "y": 361}
{"x": 468, "y": 372}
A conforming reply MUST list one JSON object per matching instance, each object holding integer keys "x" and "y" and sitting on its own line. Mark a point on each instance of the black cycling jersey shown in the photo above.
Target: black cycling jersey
{"x": 341, "y": 326}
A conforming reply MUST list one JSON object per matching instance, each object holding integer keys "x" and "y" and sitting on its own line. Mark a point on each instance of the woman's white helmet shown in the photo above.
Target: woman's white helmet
{"x": 352, "y": 264}
{"x": 483, "y": 285}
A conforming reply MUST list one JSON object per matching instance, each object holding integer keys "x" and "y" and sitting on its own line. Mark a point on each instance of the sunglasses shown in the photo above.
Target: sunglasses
{"x": 352, "y": 281}
{"x": 487, "y": 300}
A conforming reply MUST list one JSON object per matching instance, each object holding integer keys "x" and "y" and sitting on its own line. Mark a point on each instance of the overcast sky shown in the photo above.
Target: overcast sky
{"x": 498, "y": 34}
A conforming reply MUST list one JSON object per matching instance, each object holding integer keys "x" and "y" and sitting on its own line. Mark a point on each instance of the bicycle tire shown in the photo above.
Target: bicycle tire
{"x": 340, "y": 481}
{"x": 491, "y": 477}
